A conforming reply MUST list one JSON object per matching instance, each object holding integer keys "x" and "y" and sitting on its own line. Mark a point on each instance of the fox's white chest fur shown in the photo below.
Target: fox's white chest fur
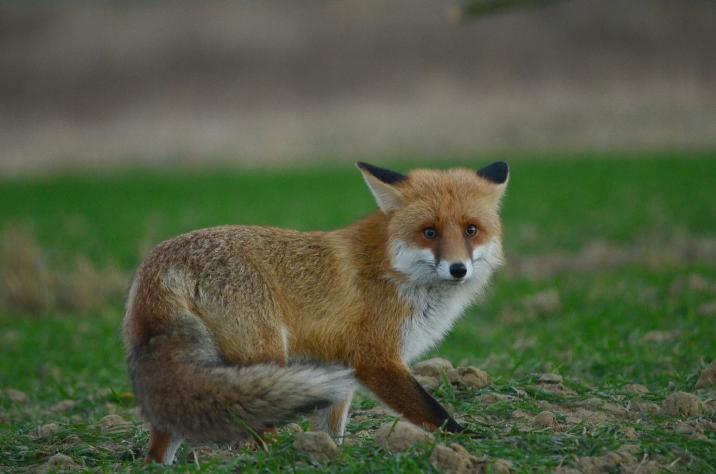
{"x": 437, "y": 305}
{"x": 435, "y": 311}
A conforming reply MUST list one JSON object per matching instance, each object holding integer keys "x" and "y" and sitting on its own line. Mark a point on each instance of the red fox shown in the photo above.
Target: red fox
{"x": 232, "y": 331}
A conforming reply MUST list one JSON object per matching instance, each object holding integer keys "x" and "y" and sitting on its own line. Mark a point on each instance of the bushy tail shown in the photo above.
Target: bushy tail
{"x": 183, "y": 387}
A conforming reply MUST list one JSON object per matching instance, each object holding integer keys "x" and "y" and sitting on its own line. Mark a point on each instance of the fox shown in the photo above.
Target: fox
{"x": 233, "y": 331}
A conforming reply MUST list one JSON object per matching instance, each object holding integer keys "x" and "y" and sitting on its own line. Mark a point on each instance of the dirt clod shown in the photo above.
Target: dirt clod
{"x": 556, "y": 388}
{"x": 381, "y": 411}
{"x": 550, "y": 378}
{"x": 501, "y": 466}
{"x": 635, "y": 388}
{"x": 658, "y": 337}
{"x": 646, "y": 407}
{"x": 545, "y": 419}
{"x": 293, "y": 428}
{"x": 70, "y": 442}
{"x": 453, "y": 376}
{"x": 566, "y": 470}
{"x": 615, "y": 409}
{"x": 49, "y": 371}
{"x": 552, "y": 383}
{"x": 490, "y": 398}
{"x": 205, "y": 453}
{"x": 693, "y": 282}
{"x": 630, "y": 433}
{"x": 63, "y": 406}
{"x": 683, "y": 428}
{"x": 621, "y": 460}
{"x": 427, "y": 381}
{"x": 45, "y": 431}
{"x": 432, "y": 367}
{"x": 707, "y": 309}
{"x": 16, "y": 396}
{"x": 111, "y": 422}
{"x": 455, "y": 459}
{"x": 708, "y": 376}
{"x": 577, "y": 415}
{"x": 472, "y": 377}
{"x": 398, "y": 437}
{"x": 318, "y": 445}
{"x": 60, "y": 462}
{"x": 682, "y": 404}
{"x": 543, "y": 303}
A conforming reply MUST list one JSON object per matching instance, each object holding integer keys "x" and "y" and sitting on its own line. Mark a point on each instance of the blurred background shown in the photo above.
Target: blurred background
{"x": 124, "y": 123}
{"x": 120, "y": 84}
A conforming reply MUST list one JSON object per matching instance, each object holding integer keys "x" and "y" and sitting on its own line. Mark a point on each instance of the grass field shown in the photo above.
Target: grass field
{"x": 610, "y": 281}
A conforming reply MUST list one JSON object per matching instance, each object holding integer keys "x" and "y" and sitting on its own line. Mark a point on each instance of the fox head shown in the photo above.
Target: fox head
{"x": 443, "y": 226}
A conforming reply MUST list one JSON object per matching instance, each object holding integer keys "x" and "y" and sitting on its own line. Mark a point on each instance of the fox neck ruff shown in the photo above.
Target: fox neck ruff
{"x": 436, "y": 304}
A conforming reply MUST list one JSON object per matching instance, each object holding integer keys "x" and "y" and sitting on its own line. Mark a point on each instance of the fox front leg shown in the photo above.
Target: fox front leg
{"x": 397, "y": 388}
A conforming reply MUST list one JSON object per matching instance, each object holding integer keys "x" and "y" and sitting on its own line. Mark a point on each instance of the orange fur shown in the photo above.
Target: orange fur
{"x": 269, "y": 295}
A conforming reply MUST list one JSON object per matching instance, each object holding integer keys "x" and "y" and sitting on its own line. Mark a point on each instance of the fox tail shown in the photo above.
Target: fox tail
{"x": 183, "y": 387}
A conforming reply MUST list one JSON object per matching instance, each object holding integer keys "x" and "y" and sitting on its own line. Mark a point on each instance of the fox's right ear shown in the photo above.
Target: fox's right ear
{"x": 381, "y": 183}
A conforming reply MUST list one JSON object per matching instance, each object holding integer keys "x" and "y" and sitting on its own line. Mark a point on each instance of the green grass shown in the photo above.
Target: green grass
{"x": 594, "y": 339}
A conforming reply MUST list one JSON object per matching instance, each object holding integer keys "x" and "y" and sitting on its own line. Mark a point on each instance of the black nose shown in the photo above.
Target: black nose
{"x": 458, "y": 270}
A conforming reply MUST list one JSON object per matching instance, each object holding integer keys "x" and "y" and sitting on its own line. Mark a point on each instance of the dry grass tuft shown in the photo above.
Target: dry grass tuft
{"x": 30, "y": 284}
{"x": 26, "y": 280}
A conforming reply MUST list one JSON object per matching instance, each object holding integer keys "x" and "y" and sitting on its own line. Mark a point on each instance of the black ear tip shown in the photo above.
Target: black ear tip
{"x": 384, "y": 175}
{"x": 496, "y": 173}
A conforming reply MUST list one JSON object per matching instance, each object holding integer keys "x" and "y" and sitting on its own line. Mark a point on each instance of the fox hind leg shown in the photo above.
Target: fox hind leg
{"x": 333, "y": 420}
{"x": 162, "y": 447}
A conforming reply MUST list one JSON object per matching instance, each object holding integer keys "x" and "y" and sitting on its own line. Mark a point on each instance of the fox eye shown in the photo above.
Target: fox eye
{"x": 430, "y": 233}
{"x": 471, "y": 230}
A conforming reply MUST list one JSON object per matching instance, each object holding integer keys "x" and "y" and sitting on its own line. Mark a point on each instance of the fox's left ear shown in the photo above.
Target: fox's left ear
{"x": 497, "y": 173}
{"x": 382, "y": 184}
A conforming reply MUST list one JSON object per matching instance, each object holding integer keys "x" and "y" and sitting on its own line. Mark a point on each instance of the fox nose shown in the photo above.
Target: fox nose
{"x": 458, "y": 270}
